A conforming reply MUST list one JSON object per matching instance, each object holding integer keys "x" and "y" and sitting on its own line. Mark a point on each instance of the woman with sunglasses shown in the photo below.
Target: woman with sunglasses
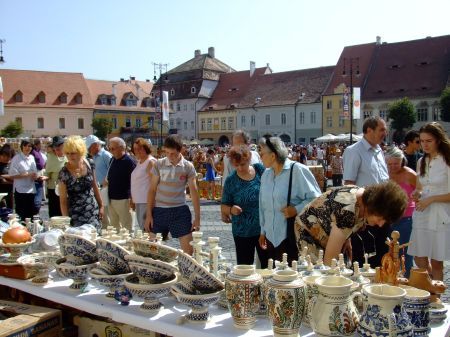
{"x": 329, "y": 220}
{"x": 274, "y": 212}
{"x": 431, "y": 219}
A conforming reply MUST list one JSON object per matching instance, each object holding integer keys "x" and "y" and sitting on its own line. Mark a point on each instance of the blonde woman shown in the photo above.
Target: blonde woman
{"x": 78, "y": 191}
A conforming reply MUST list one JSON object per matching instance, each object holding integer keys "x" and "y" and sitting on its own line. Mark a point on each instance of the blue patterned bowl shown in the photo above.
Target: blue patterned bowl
{"x": 155, "y": 250}
{"x": 197, "y": 275}
{"x": 112, "y": 282}
{"x": 39, "y": 265}
{"x": 77, "y": 249}
{"x": 151, "y": 293}
{"x": 112, "y": 257}
{"x": 149, "y": 270}
{"x": 78, "y": 273}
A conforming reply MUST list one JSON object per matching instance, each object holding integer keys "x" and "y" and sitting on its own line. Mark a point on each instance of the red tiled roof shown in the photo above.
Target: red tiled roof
{"x": 232, "y": 88}
{"x": 286, "y": 87}
{"x": 30, "y": 83}
{"x": 418, "y": 68}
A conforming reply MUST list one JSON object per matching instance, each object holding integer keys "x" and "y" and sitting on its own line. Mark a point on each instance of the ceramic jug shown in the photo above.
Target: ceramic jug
{"x": 333, "y": 311}
{"x": 285, "y": 298}
{"x": 242, "y": 287}
{"x": 311, "y": 291}
{"x": 383, "y": 313}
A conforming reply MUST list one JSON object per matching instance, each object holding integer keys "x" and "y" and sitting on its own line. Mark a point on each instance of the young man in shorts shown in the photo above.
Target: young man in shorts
{"x": 167, "y": 209}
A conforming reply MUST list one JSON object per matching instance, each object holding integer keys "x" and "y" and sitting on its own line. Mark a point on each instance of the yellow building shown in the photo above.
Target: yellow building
{"x": 217, "y": 125}
{"x": 333, "y": 120}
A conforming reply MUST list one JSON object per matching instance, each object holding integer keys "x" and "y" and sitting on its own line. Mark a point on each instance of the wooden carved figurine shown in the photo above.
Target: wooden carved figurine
{"x": 391, "y": 263}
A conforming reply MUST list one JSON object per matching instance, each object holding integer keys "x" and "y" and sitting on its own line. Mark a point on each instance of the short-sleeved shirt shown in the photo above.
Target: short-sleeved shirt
{"x": 171, "y": 190}
{"x": 21, "y": 164}
{"x": 245, "y": 194}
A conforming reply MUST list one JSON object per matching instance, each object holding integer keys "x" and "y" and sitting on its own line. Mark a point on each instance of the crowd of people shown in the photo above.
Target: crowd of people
{"x": 268, "y": 194}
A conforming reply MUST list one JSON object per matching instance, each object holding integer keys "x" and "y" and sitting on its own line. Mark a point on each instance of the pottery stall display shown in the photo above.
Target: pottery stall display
{"x": 243, "y": 290}
{"x": 78, "y": 273}
{"x": 383, "y": 313}
{"x": 286, "y": 300}
{"x": 417, "y": 306}
{"x": 39, "y": 265}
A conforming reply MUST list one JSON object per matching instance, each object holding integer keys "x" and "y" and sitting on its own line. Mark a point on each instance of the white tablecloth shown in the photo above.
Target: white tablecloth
{"x": 94, "y": 301}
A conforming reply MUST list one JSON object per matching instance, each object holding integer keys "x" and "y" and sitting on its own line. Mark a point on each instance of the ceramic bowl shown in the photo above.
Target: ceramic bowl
{"x": 112, "y": 282}
{"x": 438, "y": 312}
{"x": 149, "y": 270}
{"x": 151, "y": 293}
{"x": 78, "y": 273}
{"x": 199, "y": 303}
{"x": 77, "y": 249}
{"x": 112, "y": 257}
{"x": 39, "y": 265}
{"x": 155, "y": 250}
{"x": 197, "y": 275}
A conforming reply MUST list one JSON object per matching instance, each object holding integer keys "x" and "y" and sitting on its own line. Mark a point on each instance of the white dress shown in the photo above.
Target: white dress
{"x": 431, "y": 228}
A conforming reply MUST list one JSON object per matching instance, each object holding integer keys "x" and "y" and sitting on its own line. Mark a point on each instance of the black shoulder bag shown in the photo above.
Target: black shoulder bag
{"x": 292, "y": 244}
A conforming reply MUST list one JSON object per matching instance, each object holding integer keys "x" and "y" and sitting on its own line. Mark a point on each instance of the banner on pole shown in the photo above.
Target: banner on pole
{"x": 2, "y": 102}
{"x": 165, "y": 106}
{"x": 356, "y": 103}
{"x": 345, "y": 104}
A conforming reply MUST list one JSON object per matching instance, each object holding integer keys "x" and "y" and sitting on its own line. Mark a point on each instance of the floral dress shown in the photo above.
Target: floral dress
{"x": 313, "y": 224}
{"x": 82, "y": 205}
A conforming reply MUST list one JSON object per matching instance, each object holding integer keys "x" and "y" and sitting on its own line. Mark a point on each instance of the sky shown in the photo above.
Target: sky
{"x": 112, "y": 39}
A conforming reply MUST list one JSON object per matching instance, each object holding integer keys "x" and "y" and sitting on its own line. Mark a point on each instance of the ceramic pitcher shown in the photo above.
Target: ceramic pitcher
{"x": 383, "y": 313}
{"x": 311, "y": 291}
{"x": 333, "y": 310}
{"x": 242, "y": 287}
{"x": 285, "y": 298}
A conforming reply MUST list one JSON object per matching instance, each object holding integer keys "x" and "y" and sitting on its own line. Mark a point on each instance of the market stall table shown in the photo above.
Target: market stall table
{"x": 93, "y": 301}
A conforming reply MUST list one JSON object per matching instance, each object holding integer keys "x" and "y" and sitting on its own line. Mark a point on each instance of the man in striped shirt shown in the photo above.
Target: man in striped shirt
{"x": 167, "y": 209}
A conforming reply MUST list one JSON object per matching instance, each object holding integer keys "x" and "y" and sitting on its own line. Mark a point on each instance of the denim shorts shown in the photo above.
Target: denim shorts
{"x": 176, "y": 220}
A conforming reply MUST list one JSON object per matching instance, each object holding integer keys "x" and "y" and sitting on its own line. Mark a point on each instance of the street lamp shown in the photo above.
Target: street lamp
{"x": 300, "y": 98}
{"x": 161, "y": 67}
{"x": 344, "y": 74}
{"x": 2, "y": 60}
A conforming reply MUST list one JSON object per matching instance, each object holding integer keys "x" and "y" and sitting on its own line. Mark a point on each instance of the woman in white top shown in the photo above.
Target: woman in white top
{"x": 431, "y": 219}
{"x": 140, "y": 178}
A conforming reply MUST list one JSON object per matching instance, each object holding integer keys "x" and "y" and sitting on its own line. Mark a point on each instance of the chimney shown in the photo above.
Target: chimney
{"x": 252, "y": 68}
{"x": 122, "y": 80}
{"x": 211, "y": 52}
{"x": 378, "y": 40}
{"x": 114, "y": 89}
{"x": 197, "y": 52}
{"x": 132, "y": 78}
{"x": 147, "y": 80}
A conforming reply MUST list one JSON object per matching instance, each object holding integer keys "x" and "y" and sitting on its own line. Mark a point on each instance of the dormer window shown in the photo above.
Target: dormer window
{"x": 112, "y": 100}
{"x": 41, "y": 97}
{"x": 172, "y": 92}
{"x": 152, "y": 94}
{"x": 193, "y": 90}
{"x": 78, "y": 98}
{"x": 63, "y": 98}
{"x": 18, "y": 97}
{"x": 103, "y": 100}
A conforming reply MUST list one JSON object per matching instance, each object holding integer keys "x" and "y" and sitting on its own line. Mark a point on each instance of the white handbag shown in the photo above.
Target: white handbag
{"x": 104, "y": 195}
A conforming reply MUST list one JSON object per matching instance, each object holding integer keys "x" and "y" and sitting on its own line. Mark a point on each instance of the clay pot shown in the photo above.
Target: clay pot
{"x": 17, "y": 234}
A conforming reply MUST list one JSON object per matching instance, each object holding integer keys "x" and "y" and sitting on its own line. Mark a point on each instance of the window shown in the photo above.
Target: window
{"x": 41, "y": 97}
{"x": 436, "y": 113}
{"x": 209, "y": 124}
{"x": 192, "y": 106}
{"x": 193, "y": 90}
{"x": 340, "y": 104}
{"x": 341, "y": 121}
{"x": 283, "y": 119}
{"x": 302, "y": 117}
{"x": 80, "y": 123}
{"x": 230, "y": 123}
{"x": 19, "y": 120}
{"x": 243, "y": 120}
{"x": 216, "y": 124}
{"x": 62, "y": 123}
{"x": 313, "y": 117}
{"x": 329, "y": 104}
{"x": 150, "y": 121}
{"x": 171, "y": 106}
{"x": 202, "y": 124}
{"x": 383, "y": 114}
{"x": 112, "y": 101}
{"x": 185, "y": 125}
{"x": 103, "y": 100}
{"x": 178, "y": 107}
{"x": 138, "y": 122}
{"x": 192, "y": 125}
{"x": 179, "y": 123}
{"x": 267, "y": 119}
{"x": 63, "y": 98}
{"x": 302, "y": 140}
{"x": 40, "y": 123}
{"x": 367, "y": 114}
{"x": 223, "y": 123}
{"x": 18, "y": 97}
{"x": 329, "y": 121}
{"x": 422, "y": 114}
{"x": 78, "y": 98}
{"x": 131, "y": 102}
{"x": 127, "y": 122}
{"x": 172, "y": 92}
{"x": 185, "y": 107}
{"x": 114, "y": 122}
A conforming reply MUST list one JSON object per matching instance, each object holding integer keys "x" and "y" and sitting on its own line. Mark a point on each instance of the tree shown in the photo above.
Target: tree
{"x": 102, "y": 127}
{"x": 445, "y": 105}
{"x": 403, "y": 117}
{"x": 12, "y": 130}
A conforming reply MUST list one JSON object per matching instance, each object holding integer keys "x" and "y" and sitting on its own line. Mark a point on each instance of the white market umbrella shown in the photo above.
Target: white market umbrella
{"x": 326, "y": 138}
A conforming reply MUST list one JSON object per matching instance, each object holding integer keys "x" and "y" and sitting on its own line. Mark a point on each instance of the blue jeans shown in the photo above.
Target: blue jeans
{"x": 404, "y": 227}
{"x": 38, "y": 197}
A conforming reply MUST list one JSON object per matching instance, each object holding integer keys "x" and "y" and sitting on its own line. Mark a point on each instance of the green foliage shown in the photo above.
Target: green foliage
{"x": 402, "y": 114}
{"x": 102, "y": 127}
{"x": 445, "y": 105}
{"x": 12, "y": 130}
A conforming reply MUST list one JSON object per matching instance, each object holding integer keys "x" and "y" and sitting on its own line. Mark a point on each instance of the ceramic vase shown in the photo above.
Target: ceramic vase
{"x": 311, "y": 291}
{"x": 242, "y": 287}
{"x": 417, "y": 306}
{"x": 285, "y": 297}
{"x": 266, "y": 274}
{"x": 383, "y": 313}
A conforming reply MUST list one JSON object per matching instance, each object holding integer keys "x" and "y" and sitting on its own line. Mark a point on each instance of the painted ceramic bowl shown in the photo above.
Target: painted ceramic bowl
{"x": 149, "y": 270}
{"x": 112, "y": 282}
{"x": 112, "y": 257}
{"x": 438, "y": 312}
{"x": 197, "y": 275}
{"x": 155, "y": 250}
{"x": 78, "y": 273}
{"x": 199, "y": 303}
{"x": 77, "y": 249}
{"x": 151, "y": 293}
{"x": 39, "y": 265}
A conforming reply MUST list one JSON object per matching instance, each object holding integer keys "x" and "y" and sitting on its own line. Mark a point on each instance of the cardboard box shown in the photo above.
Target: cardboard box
{"x": 88, "y": 327}
{"x": 14, "y": 271}
{"x": 29, "y": 320}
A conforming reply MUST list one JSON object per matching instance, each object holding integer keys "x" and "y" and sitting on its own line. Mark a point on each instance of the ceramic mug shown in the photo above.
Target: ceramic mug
{"x": 417, "y": 305}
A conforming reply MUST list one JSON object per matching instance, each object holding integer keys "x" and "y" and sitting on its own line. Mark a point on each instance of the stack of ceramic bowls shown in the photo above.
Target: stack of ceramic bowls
{"x": 39, "y": 265}
{"x": 154, "y": 249}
